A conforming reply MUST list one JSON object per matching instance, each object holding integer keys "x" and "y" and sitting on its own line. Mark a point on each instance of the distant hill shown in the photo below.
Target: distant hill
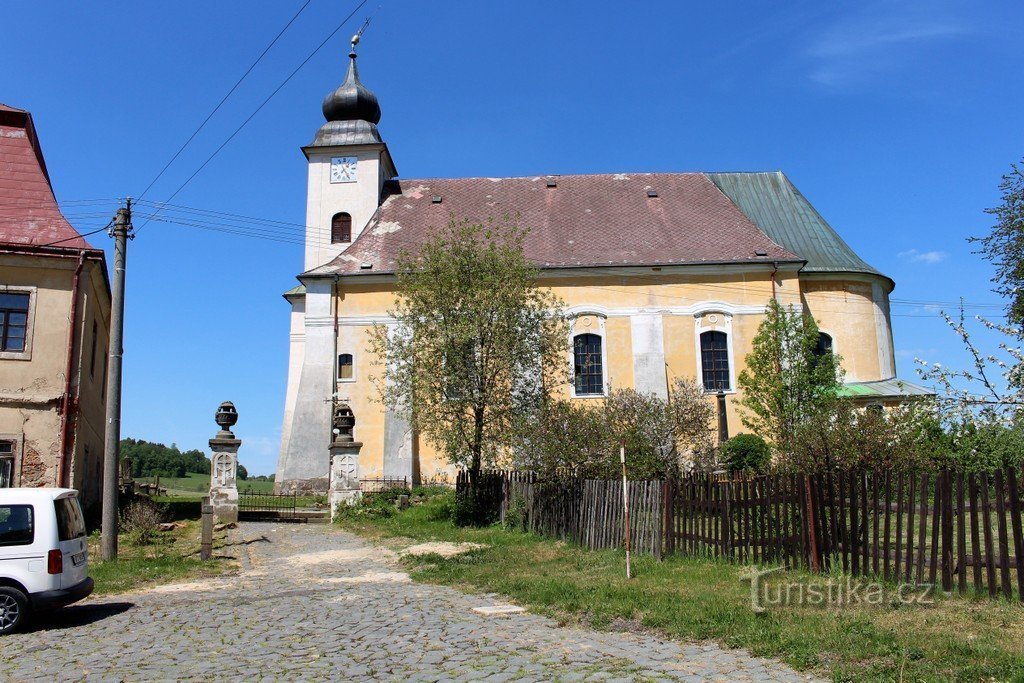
{"x": 150, "y": 459}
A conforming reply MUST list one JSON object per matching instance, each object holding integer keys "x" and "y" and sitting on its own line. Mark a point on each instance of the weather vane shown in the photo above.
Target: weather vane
{"x": 359, "y": 33}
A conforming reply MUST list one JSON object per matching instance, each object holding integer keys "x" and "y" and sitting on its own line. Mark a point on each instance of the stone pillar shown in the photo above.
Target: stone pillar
{"x": 344, "y": 474}
{"x": 344, "y": 450}
{"x": 224, "y": 466}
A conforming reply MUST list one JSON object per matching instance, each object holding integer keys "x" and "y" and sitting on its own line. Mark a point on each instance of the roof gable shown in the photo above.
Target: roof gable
{"x": 29, "y": 214}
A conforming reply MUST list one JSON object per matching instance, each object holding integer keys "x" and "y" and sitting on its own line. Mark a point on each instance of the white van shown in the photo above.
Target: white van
{"x": 44, "y": 556}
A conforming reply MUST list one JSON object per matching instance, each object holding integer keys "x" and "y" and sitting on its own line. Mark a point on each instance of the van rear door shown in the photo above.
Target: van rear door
{"x": 72, "y": 539}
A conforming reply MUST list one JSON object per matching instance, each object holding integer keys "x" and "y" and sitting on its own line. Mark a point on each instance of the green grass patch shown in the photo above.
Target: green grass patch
{"x": 704, "y": 599}
{"x": 195, "y": 484}
{"x": 172, "y": 556}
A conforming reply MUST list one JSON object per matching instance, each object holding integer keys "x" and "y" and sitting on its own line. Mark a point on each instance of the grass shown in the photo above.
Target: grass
{"x": 172, "y": 556}
{"x": 703, "y": 599}
{"x": 195, "y": 484}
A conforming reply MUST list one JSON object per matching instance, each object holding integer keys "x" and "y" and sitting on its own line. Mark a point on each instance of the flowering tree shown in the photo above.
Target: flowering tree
{"x": 992, "y": 389}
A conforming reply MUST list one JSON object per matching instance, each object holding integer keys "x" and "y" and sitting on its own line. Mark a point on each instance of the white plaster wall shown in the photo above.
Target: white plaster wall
{"x": 296, "y": 354}
{"x": 324, "y": 199}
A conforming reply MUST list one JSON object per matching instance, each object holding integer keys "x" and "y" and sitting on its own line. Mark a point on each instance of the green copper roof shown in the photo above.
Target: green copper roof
{"x": 295, "y": 291}
{"x": 884, "y": 388}
{"x": 772, "y": 202}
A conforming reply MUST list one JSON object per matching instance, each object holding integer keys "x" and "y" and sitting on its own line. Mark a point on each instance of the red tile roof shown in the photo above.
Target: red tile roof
{"x": 585, "y": 220}
{"x": 28, "y": 209}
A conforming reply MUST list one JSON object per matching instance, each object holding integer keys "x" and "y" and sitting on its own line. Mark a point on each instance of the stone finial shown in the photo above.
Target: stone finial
{"x": 226, "y": 417}
{"x": 343, "y": 422}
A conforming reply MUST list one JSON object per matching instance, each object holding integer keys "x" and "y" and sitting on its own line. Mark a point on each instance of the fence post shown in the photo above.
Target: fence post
{"x": 946, "y": 521}
{"x": 667, "y": 517}
{"x": 810, "y": 524}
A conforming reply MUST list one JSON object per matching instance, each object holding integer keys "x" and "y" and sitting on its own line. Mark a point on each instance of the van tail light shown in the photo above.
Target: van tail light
{"x": 55, "y": 562}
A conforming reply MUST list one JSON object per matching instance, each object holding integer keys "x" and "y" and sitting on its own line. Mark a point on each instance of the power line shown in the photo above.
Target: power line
{"x": 225, "y": 98}
{"x": 75, "y": 237}
{"x": 260, "y": 107}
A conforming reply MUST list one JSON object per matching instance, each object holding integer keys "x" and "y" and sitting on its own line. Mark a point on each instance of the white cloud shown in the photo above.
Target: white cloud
{"x": 878, "y": 40}
{"x": 915, "y": 256}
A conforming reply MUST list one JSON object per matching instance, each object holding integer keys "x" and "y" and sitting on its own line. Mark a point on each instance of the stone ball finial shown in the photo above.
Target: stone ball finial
{"x": 226, "y": 416}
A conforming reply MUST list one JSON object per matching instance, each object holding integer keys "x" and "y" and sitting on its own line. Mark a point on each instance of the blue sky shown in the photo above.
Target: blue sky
{"x": 896, "y": 120}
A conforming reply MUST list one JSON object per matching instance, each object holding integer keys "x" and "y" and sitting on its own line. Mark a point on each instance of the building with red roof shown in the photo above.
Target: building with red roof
{"x": 54, "y": 318}
{"x": 664, "y": 275}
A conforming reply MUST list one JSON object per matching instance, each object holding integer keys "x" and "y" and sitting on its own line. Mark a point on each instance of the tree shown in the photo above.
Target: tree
{"x": 661, "y": 437}
{"x": 1004, "y": 245}
{"x": 786, "y": 381}
{"x": 475, "y": 344}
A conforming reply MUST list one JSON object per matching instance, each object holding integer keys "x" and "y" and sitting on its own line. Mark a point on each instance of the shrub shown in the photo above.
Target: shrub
{"x": 746, "y": 452}
{"x": 375, "y": 505}
{"x": 139, "y": 521}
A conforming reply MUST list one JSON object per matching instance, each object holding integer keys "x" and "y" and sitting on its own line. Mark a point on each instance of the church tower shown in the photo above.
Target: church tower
{"x": 348, "y": 166}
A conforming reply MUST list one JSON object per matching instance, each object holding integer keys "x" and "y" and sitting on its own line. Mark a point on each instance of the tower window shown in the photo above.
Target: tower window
{"x": 588, "y": 368}
{"x": 345, "y": 366}
{"x": 714, "y": 359}
{"x": 341, "y": 228}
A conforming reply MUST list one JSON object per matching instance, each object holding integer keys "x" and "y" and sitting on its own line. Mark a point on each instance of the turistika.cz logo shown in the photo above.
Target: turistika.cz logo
{"x": 832, "y": 593}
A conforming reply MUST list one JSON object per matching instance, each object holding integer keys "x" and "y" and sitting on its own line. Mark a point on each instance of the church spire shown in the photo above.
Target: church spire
{"x": 352, "y": 111}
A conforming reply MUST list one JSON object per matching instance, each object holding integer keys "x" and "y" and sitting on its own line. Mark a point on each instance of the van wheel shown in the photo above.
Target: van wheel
{"x": 13, "y": 609}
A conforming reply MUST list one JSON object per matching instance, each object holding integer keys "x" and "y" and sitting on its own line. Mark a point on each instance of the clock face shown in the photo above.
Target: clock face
{"x": 343, "y": 169}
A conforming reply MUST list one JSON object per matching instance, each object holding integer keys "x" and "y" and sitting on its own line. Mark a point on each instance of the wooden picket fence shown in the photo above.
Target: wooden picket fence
{"x": 958, "y": 530}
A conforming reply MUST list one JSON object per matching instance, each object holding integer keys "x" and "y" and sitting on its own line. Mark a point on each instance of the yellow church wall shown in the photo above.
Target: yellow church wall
{"x": 845, "y": 310}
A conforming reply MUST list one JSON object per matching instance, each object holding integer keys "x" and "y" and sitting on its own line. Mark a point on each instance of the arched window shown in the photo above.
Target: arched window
{"x": 341, "y": 228}
{"x": 824, "y": 344}
{"x": 345, "y": 366}
{"x": 588, "y": 369}
{"x": 714, "y": 360}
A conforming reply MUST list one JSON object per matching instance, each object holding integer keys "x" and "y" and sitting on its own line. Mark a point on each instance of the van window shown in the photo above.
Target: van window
{"x": 16, "y": 525}
{"x": 70, "y": 523}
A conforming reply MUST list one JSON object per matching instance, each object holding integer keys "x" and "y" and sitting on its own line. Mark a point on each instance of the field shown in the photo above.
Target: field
{"x": 192, "y": 484}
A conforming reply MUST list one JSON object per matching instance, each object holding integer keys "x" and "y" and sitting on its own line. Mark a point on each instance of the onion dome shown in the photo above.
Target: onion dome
{"x": 352, "y": 112}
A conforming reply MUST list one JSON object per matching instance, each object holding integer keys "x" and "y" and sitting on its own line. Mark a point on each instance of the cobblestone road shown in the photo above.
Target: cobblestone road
{"x": 313, "y": 603}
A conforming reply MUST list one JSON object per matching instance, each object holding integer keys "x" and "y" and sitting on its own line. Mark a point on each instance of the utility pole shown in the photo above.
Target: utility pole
{"x": 112, "y": 434}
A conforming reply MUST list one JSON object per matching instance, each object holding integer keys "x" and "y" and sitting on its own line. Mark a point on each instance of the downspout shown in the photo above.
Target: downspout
{"x": 68, "y": 402}
{"x": 775, "y": 269}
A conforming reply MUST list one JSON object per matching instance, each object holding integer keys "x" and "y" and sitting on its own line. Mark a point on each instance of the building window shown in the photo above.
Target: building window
{"x": 345, "y": 366}
{"x": 824, "y": 344}
{"x": 588, "y": 368}
{"x": 6, "y": 464}
{"x": 341, "y": 228}
{"x": 13, "y": 321}
{"x": 714, "y": 359}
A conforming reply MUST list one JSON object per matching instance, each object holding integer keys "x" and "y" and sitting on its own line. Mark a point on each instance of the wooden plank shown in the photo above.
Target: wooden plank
{"x": 1018, "y": 534}
{"x": 986, "y": 523}
{"x": 899, "y": 528}
{"x": 874, "y": 520}
{"x": 822, "y": 523}
{"x": 1004, "y": 545}
{"x": 844, "y": 530}
{"x": 922, "y": 528}
{"x": 936, "y": 525}
{"x": 908, "y": 569}
{"x": 854, "y": 526}
{"x": 972, "y": 486}
{"x": 887, "y": 484}
{"x": 947, "y": 531}
{"x": 961, "y": 535}
{"x": 864, "y": 521}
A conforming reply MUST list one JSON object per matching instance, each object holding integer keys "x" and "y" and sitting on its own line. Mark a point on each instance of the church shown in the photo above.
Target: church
{"x": 664, "y": 275}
